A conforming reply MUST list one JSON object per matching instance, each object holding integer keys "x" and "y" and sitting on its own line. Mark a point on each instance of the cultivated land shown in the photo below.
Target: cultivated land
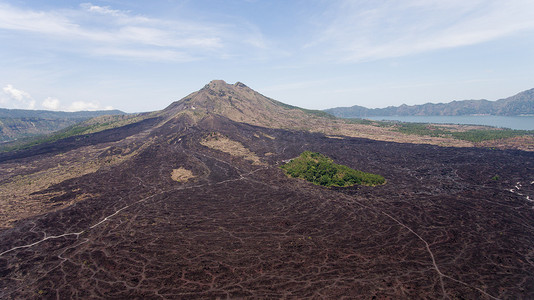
{"x": 443, "y": 226}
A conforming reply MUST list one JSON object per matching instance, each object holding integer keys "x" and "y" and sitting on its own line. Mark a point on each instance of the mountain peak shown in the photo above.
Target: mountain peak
{"x": 216, "y": 83}
{"x": 239, "y": 103}
{"x": 240, "y": 85}
{"x": 235, "y": 101}
{"x": 221, "y": 84}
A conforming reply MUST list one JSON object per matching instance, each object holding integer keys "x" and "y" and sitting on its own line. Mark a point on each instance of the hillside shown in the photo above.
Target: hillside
{"x": 191, "y": 202}
{"x": 520, "y": 104}
{"x": 20, "y": 123}
{"x": 240, "y": 103}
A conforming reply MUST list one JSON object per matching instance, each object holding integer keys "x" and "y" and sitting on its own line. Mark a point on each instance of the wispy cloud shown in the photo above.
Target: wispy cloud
{"x": 104, "y": 31}
{"x": 104, "y": 10}
{"x": 295, "y": 85}
{"x": 370, "y": 30}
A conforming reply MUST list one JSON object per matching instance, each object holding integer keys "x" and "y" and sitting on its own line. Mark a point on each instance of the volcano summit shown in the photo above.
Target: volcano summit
{"x": 191, "y": 202}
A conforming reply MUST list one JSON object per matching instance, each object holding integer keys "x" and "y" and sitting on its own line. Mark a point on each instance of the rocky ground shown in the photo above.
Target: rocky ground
{"x": 452, "y": 223}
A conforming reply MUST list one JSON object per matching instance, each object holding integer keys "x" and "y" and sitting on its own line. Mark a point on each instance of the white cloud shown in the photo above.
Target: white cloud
{"x": 51, "y": 103}
{"x": 15, "y": 98}
{"x": 147, "y": 55}
{"x": 16, "y": 94}
{"x": 86, "y": 106}
{"x": 359, "y": 31}
{"x": 103, "y": 31}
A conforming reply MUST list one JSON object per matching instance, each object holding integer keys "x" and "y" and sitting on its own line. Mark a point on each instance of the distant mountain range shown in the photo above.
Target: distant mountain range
{"x": 19, "y": 123}
{"x": 520, "y": 104}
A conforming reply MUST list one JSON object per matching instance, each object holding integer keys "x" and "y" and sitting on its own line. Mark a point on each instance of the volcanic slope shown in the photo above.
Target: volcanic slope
{"x": 190, "y": 203}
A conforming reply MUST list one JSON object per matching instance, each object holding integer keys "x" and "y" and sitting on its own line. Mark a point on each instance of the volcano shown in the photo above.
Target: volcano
{"x": 190, "y": 202}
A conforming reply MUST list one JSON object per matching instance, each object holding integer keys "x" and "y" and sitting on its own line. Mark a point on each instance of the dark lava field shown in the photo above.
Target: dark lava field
{"x": 440, "y": 228}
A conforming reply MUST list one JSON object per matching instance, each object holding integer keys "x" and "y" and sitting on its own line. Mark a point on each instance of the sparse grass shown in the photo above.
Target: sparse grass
{"x": 16, "y": 195}
{"x": 182, "y": 175}
{"x": 222, "y": 143}
{"x": 268, "y": 136}
{"x": 17, "y": 198}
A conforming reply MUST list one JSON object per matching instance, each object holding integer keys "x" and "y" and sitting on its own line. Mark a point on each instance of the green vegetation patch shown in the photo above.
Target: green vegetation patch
{"x": 474, "y": 135}
{"x": 488, "y": 135}
{"x": 420, "y": 129}
{"x": 94, "y": 125}
{"x": 27, "y": 143}
{"x": 322, "y": 170}
{"x": 363, "y": 121}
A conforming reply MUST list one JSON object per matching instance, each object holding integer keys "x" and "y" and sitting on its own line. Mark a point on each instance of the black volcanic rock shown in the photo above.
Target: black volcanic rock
{"x": 442, "y": 226}
{"x": 520, "y": 104}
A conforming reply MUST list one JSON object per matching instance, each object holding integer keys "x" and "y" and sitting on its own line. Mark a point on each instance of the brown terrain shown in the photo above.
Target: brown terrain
{"x": 190, "y": 202}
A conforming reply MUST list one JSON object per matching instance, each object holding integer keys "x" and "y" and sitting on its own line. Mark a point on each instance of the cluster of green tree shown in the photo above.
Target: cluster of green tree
{"x": 321, "y": 170}
{"x": 486, "y": 135}
{"x": 420, "y": 129}
{"x": 366, "y": 122}
{"x": 475, "y": 135}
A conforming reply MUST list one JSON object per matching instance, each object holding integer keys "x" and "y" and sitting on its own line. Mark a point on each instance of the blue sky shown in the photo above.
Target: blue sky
{"x": 143, "y": 55}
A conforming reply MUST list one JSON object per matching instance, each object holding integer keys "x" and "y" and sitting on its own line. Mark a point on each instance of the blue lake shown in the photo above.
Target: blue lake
{"x": 517, "y": 122}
